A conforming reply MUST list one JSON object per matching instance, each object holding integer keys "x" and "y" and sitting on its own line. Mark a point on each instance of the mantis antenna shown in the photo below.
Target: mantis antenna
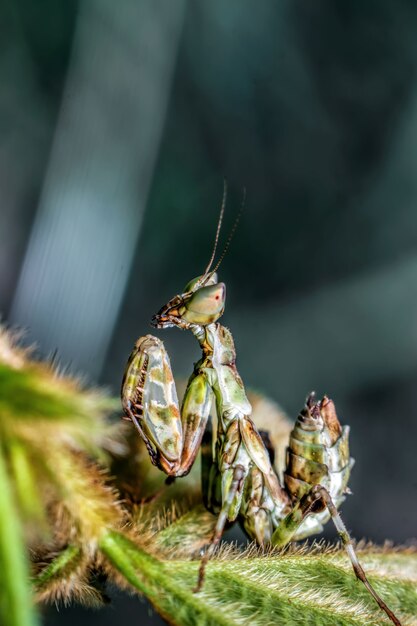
{"x": 228, "y": 242}
{"x": 207, "y": 273}
{"x": 219, "y": 225}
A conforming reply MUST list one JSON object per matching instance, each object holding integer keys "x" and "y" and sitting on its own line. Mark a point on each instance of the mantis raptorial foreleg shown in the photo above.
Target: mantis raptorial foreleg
{"x": 172, "y": 436}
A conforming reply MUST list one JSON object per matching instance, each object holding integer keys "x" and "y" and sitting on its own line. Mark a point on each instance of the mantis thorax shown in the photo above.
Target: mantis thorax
{"x": 217, "y": 344}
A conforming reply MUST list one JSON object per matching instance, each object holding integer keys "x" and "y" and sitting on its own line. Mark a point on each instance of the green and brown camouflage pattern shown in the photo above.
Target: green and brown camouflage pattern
{"x": 318, "y": 451}
{"x": 238, "y": 479}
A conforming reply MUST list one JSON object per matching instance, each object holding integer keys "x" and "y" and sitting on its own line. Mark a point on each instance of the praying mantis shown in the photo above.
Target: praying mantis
{"x": 239, "y": 481}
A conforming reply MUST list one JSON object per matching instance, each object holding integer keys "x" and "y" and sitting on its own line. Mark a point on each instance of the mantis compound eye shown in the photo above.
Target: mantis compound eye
{"x": 205, "y": 305}
{"x": 193, "y": 284}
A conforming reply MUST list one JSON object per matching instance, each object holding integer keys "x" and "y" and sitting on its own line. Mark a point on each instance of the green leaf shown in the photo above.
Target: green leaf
{"x": 314, "y": 587}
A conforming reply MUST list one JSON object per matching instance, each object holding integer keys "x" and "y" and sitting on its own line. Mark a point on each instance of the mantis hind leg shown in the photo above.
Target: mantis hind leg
{"x": 315, "y": 501}
{"x": 347, "y": 542}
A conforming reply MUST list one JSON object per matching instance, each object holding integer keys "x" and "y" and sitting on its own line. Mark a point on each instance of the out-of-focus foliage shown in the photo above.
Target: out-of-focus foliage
{"x": 54, "y": 443}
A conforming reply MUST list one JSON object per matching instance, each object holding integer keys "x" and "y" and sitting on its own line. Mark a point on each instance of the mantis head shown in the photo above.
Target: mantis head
{"x": 202, "y": 303}
{"x": 203, "y": 298}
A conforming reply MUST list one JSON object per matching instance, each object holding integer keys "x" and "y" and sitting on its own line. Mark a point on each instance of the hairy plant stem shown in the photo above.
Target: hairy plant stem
{"x": 59, "y": 564}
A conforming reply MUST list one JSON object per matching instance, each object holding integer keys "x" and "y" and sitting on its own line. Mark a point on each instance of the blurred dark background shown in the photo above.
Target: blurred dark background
{"x": 118, "y": 122}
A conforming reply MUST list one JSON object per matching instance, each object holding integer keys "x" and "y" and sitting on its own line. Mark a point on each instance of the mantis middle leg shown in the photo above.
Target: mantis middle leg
{"x": 234, "y": 486}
